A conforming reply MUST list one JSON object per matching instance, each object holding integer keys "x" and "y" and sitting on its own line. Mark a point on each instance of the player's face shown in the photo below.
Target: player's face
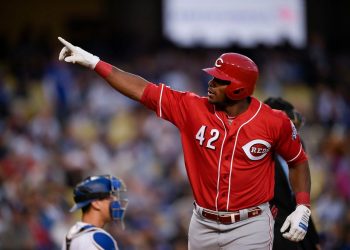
{"x": 106, "y": 208}
{"x": 216, "y": 91}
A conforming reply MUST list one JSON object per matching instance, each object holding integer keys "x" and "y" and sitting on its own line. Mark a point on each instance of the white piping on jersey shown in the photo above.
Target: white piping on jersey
{"x": 160, "y": 101}
{"x": 233, "y": 153}
{"x": 219, "y": 167}
{"x": 297, "y": 154}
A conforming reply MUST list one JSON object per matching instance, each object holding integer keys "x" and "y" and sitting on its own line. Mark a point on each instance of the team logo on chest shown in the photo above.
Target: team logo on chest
{"x": 256, "y": 149}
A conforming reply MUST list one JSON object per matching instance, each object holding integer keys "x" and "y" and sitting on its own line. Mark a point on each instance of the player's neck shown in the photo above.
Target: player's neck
{"x": 235, "y": 108}
{"x": 93, "y": 219}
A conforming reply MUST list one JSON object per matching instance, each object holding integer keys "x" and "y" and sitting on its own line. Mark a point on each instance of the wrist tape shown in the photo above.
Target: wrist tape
{"x": 103, "y": 69}
{"x": 303, "y": 198}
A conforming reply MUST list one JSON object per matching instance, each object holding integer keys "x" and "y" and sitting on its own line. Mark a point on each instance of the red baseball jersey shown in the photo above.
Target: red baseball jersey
{"x": 230, "y": 165}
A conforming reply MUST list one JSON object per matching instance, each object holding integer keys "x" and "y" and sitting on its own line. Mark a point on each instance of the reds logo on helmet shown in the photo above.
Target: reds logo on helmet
{"x": 219, "y": 62}
{"x": 256, "y": 149}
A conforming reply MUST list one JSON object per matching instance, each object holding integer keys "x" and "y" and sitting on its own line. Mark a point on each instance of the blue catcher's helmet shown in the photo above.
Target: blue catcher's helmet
{"x": 101, "y": 187}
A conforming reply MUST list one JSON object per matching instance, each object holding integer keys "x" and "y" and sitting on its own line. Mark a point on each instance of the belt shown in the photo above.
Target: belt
{"x": 231, "y": 217}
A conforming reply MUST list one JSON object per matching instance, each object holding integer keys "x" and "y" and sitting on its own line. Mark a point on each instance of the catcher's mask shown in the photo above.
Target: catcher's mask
{"x": 102, "y": 187}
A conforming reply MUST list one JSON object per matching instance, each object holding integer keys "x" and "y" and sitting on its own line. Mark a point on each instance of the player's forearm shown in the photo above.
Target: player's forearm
{"x": 298, "y": 221}
{"x": 300, "y": 180}
{"x": 126, "y": 83}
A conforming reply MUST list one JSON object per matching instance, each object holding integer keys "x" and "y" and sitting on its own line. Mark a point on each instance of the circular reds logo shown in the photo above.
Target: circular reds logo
{"x": 256, "y": 149}
{"x": 219, "y": 62}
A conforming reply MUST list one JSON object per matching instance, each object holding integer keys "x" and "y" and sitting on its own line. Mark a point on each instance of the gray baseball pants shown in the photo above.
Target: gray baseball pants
{"x": 254, "y": 233}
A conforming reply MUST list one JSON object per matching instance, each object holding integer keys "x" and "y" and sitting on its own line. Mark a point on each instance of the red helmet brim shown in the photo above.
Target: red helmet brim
{"x": 217, "y": 74}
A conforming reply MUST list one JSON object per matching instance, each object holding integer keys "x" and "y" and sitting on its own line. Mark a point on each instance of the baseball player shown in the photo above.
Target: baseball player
{"x": 229, "y": 139}
{"x": 101, "y": 199}
{"x": 284, "y": 198}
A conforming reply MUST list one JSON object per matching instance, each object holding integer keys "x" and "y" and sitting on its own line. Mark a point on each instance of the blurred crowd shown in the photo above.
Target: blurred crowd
{"x": 60, "y": 123}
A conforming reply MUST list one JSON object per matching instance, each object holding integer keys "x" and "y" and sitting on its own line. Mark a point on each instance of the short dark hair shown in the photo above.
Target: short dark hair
{"x": 288, "y": 108}
{"x": 281, "y": 104}
{"x": 86, "y": 208}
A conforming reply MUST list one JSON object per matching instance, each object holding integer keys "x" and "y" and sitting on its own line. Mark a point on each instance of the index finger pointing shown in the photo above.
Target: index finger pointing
{"x": 67, "y": 44}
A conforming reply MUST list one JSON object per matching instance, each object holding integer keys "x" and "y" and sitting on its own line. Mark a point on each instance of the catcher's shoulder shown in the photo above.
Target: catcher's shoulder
{"x": 103, "y": 240}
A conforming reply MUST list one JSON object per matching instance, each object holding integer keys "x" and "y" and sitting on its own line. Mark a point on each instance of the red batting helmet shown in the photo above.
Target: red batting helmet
{"x": 239, "y": 70}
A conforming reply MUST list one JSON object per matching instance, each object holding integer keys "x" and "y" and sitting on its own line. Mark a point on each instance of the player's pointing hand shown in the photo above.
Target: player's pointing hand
{"x": 74, "y": 54}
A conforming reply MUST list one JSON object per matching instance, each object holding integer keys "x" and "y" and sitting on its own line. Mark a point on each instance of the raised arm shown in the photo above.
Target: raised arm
{"x": 126, "y": 83}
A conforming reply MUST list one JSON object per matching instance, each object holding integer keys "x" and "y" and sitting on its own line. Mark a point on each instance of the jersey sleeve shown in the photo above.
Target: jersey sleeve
{"x": 168, "y": 104}
{"x": 289, "y": 144}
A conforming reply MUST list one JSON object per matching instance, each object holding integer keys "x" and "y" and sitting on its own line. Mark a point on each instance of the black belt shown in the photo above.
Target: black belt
{"x": 231, "y": 217}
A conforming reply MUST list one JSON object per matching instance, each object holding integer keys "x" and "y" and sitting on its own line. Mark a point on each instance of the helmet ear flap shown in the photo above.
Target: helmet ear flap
{"x": 238, "y": 91}
{"x": 235, "y": 93}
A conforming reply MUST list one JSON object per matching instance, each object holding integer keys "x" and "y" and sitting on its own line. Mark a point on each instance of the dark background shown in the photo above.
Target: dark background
{"x": 136, "y": 23}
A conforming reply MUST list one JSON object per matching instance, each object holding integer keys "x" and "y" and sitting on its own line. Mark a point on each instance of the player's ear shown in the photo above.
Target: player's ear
{"x": 97, "y": 204}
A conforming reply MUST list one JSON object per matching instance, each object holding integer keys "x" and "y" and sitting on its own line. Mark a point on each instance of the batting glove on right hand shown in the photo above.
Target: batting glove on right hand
{"x": 298, "y": 222}
{"x": 74, "y": 54}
